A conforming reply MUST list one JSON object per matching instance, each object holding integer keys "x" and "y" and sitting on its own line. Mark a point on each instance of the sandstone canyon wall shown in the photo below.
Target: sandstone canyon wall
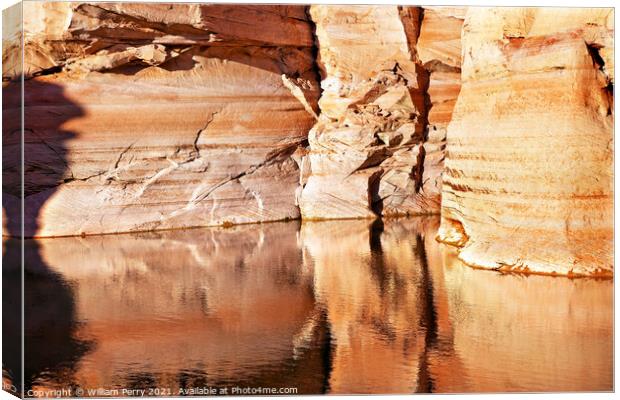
{"x": 142, "y": 117}
{"x": 367, "y": 150}
{"x": 151, "y": 116}
{"x": 527, "y": 184}
{"x": 390, "y": 78}
{"x": 439, "y": 49}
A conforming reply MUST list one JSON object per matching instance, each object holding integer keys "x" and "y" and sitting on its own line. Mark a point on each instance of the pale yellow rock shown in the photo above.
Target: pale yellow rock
{"x": 528, "y": 173}
{"x": 440, "y": 35}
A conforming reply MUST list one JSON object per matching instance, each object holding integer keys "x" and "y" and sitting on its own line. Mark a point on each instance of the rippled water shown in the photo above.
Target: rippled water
{"x": 323, "y": 307}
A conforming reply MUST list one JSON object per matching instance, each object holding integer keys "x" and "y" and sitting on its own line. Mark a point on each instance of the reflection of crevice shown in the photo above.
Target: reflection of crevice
{"x": 377, "y": 262}
{"x": 309, "y": 368}
{"x": 326, "y": 352}
{"x": 428, "y": 320}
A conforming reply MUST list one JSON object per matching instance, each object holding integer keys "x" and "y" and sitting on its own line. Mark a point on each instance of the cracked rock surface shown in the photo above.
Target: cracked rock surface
{"x": 156, "y": 116}
{"x": 367, "y": 149}
{"x": 439, "y": 50}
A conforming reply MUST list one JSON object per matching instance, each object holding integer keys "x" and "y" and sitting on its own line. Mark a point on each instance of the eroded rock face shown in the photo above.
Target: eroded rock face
{"x": 367, "y": 149}
{"x": 527, "y": 184}
{"x": 154, "y": 116}
{"x": 141, "y": 117}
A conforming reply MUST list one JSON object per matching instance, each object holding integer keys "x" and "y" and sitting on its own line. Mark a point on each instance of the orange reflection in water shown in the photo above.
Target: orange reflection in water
{"x": 338, "y": 307}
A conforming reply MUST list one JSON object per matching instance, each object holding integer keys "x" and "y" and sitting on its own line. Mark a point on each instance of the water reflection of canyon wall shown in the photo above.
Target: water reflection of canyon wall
{"x": 339, "y": 307}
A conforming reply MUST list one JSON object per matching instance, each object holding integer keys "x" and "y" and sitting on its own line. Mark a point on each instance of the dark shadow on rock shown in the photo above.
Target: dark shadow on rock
{"x": 11, "y": 248}
{"x": 48, "y": 300}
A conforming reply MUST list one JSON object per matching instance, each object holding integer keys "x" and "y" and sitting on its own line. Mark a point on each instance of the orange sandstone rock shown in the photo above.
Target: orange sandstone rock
{"x": 155, "y": 116}
{"x": 528, "y": 171}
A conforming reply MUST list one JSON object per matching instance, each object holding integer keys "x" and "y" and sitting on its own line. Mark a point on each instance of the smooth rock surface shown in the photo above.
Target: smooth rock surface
{"x": 140, "y": 118}
{"x": 528, "y": 181}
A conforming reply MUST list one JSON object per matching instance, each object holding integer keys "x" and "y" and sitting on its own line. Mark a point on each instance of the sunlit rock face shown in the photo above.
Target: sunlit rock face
{"x": 154, "y": 116}
{"x": 527, "y": 184}
{"x": 367, "y": 150}
{"x": 141, "y": 117}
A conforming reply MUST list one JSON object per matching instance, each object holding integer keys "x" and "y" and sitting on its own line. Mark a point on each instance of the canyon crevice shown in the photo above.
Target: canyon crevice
{"x": 142, "y": 117}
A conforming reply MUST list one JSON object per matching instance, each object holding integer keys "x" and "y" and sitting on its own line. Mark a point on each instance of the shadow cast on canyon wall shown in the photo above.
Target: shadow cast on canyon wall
{"x": 48, "y": 301}
{"x": 45, "y": 164}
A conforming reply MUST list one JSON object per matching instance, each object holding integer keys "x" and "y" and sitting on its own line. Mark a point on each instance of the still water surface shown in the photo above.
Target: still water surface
{"x": 322, "y": 307}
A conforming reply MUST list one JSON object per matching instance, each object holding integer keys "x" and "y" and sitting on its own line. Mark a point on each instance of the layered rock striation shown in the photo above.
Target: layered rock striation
{"x": 527, "y": 184}
{"x": 155, "y": 116}
{"x": 142, "y": 117}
